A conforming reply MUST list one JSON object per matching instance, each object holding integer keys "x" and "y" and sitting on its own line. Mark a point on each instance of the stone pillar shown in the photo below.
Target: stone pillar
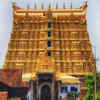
{"x": 32, "y": 90}
{"x": 37, "y": 85}
{"x": 53, "y": 89}
{"x": 69, "y": 90}
{"x": 78, "y": 88}
{"x": 59, "y": 90}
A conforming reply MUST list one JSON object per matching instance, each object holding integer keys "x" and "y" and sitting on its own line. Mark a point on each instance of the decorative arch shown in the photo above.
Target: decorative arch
{"x": 45, "y": 91}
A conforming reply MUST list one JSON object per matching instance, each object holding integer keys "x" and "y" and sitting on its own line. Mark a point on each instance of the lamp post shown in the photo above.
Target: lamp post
{"x": 94, "y": 61}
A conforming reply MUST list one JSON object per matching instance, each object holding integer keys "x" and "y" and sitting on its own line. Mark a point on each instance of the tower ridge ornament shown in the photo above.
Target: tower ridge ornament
{"x": 49, "y": 7}
{"x": 35, "y": 6}
{"x": 71, "y": 5}
{"x": 64, "y": 6}
{"x": 28, "y": 6}
{"x": 56, "y": 5}
{"x": 42, "y": 6}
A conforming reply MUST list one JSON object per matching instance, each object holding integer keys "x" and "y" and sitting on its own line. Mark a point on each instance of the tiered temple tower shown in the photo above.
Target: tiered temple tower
{"x": 51, "y": 41}
{"x": 61, "y": 34}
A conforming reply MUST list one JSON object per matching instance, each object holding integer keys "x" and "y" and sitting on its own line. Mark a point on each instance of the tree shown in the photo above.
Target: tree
{"x": 98, "y": 85}
{"x": 80, "y": 99}
{"x": 90, "y": 87}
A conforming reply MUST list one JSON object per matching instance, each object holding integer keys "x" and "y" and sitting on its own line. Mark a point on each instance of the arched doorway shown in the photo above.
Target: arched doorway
{"x": 45, "y": 93}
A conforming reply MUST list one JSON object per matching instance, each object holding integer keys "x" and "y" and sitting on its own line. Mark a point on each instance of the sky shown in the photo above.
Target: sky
{"x": 93, "y": 21}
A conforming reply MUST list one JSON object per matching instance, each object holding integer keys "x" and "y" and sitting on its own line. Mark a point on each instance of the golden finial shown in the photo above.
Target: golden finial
{"x": 49, "y": 6}
{"x": 14, "y": 5}
{"x": 28, "y": 6}
{"x": 42, "y": 6}
{"x": 71, "y": 6}
{"x": 35, "y": 6}
{"x": 56, "y": 5}
{"x": 64, "y": 6}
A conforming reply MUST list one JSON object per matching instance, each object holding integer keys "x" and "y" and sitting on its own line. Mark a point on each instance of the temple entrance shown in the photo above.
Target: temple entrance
{"x": 45, "y": 93}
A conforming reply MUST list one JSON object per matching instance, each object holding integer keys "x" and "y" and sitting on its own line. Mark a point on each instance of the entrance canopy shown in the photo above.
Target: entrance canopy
{"x": 64, "y": 78}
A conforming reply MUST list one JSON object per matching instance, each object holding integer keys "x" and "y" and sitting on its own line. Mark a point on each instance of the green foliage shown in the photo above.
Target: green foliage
{"x": 71, "y": 98}
{"x": 98, "y": 85}
{"x": 73, "y": 93}
{"x": 80, "y": 99}
{"x": 90, "y": 87}
{"x": 98, "y": 82}
{"x": 98, "y": 95}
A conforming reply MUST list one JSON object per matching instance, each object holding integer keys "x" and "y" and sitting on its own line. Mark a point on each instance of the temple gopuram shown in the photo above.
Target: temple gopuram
{"x": 48, "y": 56}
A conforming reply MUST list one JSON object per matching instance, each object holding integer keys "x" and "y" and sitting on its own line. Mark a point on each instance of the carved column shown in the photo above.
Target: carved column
{"x": 37, "y": 85}
{"x": 53, "y": 89}
{"x": 32, "y": 89}
{"x": 59, "y": 90}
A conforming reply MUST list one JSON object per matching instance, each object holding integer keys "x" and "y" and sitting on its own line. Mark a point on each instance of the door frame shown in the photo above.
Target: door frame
{"x": 43, "y": 84}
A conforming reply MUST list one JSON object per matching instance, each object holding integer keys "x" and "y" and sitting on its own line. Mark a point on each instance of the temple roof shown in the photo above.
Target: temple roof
{"x": 12, "y": 78}
{"x": 63, "y": 77}
{"x": 22, "y": 11}
{"x": 28, "y": 76}
{"x": 67, "y": 79}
